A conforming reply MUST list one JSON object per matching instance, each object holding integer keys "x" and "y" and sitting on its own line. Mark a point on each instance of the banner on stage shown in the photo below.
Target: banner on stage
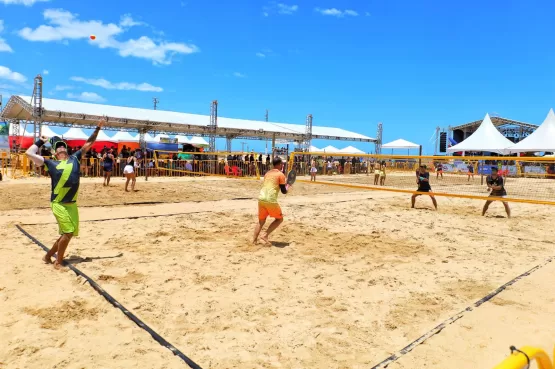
{"x": 4, "y": 140}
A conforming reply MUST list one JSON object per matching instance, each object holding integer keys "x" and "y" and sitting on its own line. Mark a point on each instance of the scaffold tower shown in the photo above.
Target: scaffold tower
{"x": 37, "y": 106}
{"x": 213, "y": 124}
{"x": 308, "y": 134}
{"x": 378, "y": 143}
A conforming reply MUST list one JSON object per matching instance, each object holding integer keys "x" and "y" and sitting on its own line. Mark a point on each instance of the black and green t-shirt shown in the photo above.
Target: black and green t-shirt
{"x": 65, "y": 175}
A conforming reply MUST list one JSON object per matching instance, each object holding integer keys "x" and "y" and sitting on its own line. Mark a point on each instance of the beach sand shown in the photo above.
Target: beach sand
{"x": 352, "y": 277}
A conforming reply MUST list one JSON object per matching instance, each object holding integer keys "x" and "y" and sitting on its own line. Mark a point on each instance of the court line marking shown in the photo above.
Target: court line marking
{"x": 437, "y": 329}
{"x": 116, "y": 304}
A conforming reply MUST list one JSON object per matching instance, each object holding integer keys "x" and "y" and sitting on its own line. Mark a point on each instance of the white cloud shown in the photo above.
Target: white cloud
{"x": 127, "y": 21}
{"x": 287, "y": 9}
{"x": 45, "y": 72}
{"x": 7, "y": 74}
{"x": 64, "y": 26}
{"x": 101, "y": 82}
{"x": 63, "y": 88}
{"x": 239, "y": 75}
{"x": 22, "y": 2}
{"x": 279, "y": 8}
{"x": 261, "y": 55}
{"x": 4, "y": 47}
{"x": 336, "y": 12}
{"x": 86, "y": 96}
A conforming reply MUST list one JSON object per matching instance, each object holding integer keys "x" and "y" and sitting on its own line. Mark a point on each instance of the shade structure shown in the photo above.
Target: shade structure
{"x": 48, "y": 132}
{"x": 183, "y": 139}
{"x": 485, "y": 138}
{"x": 198, "y": 141}
{"x": 541, "y": 140}
{"x": 124, "y": 138}
{"x": 330, "y": 149}
{"x": 400, "y": 144}
{"x": 351, "y": 150}
{"x": 314, "y": 149}
{"x": 75, "y": 137}
{"x": 103, "y": 140}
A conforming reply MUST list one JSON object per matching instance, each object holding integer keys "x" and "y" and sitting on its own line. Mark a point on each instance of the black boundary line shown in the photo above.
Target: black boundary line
{"x": 116, "y": 304}
{"x": 397, "y": 355}
{"x": 174, "y": 214}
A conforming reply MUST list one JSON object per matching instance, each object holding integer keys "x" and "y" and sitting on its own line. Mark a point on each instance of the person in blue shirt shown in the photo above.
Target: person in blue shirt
{"x": 65, "y": 174}
{"x": 424, "y": 186}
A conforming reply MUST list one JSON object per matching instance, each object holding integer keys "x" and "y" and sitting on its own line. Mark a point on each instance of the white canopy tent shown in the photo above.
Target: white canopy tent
{"x": 314, "y": 149}
{"x": 400, "y": 144}
{"x": 182, "y": 139}
{"x": 541, "y": 140}
{"x": 485, "y": 138}
{"x": 75, "y": 133}
{"x": 330, "y": 149}
{"x": 123, "y": 136}
{"x": 46, "y": 131}
{"x": 198, "y": 141}
{"x": 351, "y": 150}
{"x": 103, "y": 137}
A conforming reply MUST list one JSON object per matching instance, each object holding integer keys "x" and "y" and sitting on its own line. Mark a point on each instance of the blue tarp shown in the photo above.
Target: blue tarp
{"x": 162, "y": 146}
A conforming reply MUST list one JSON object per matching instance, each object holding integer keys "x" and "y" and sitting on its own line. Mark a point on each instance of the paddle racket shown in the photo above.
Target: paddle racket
{"x": 291, "y": 177}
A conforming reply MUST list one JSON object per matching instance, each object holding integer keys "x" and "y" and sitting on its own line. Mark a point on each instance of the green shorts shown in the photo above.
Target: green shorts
{"x": 67, "y": 216}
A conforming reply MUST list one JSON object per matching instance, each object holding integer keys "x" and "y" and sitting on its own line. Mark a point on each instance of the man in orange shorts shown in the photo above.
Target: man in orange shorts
{"x": 274, "y": 181}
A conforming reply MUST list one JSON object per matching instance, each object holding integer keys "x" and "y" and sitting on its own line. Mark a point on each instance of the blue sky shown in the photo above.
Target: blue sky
{"x": 351, "y": 64}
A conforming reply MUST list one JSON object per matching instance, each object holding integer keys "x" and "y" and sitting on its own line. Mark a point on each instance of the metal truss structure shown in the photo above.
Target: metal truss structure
{"x": 378, "y": 142}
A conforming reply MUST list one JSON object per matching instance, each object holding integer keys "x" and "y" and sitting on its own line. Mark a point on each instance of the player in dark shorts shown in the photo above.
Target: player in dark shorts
{"x": 108, "y": 160}
{"x": 424, "y": 186}
{"x": 470, "y": 168}
{"x": 496, "y": 185}
{"x": 439, "y": 170}
{"x": 65, "y": 174}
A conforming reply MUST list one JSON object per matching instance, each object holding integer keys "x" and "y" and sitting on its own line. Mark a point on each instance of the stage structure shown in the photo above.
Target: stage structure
{"x": 63, "y": 113}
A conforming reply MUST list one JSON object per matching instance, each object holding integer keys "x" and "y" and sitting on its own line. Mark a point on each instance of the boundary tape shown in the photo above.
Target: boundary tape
{"x": 437, "y": 329}
{"x": 116, "y": 304}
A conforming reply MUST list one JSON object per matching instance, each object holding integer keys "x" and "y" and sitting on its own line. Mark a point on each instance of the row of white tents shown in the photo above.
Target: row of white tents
{"x": 121, "y": 136}
{"x": 334, "y": 150}
{"x": 488, "y": 138}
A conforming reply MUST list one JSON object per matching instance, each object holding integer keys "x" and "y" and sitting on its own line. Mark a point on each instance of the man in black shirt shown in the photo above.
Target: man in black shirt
{"x": 424, "y": 185}
{"x": 496, "y": 185}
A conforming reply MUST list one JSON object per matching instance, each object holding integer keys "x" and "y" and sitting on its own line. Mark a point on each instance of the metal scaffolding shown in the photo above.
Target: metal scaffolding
{"x": 37, "y": 106}
{"x": 378, "y": 142}
{"x": 307, "y": 134}
{"x": 213, "y": 124}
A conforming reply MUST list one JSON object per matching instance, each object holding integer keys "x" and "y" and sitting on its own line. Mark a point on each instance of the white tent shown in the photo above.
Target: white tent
{"x": 485, "y": 138}
{"x": 123, "y": 136}
{"x": 103, "y": 137}
{"x": 330, "y": 148}
{"x": 148, "y": 138}
{"x": 199, "y": 141}
{"x": 46, "y": 131}
{"x": 183, "y": 139}
{"x": 314, "y": 149}
{"x": 400, "y": 144}
{"x": 351, "y": 150}
{"x": 541, "y": 140}
{"x": 75, "y": 134}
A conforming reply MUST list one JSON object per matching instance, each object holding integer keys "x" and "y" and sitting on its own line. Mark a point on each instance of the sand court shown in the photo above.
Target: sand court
{"x": 351, "y": 278}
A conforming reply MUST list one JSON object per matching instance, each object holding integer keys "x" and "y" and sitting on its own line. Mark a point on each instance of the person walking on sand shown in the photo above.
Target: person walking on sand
{"x": 65, "y": 175}
{"x": 274, "y": 181}
{"x": 108, "y": 159}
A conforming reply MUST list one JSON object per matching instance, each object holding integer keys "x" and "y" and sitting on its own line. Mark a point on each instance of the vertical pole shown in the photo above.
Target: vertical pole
{"x": 273, "y": 145}
{"x": 420, "y": 156}
{"x": 142, "y": 144}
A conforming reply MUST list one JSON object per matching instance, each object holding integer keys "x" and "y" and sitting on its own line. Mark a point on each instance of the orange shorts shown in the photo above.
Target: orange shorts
{"x": 268, "y": 209}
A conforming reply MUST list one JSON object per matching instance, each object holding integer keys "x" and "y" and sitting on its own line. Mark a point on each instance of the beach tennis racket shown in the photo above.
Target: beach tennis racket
{"x": 291, "y": 177}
